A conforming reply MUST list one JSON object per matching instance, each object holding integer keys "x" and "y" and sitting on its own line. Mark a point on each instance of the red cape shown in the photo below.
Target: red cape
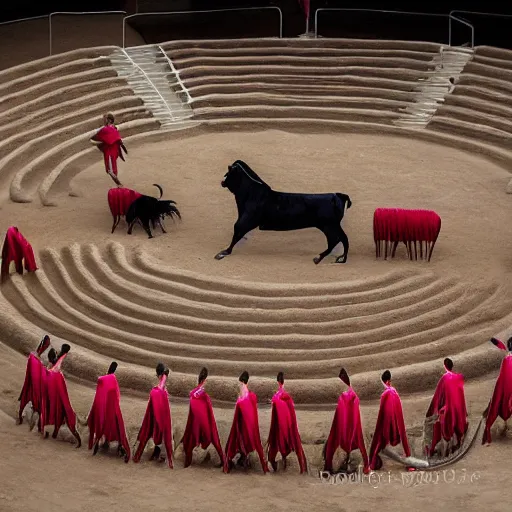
{"x": 346, "y": 430}
{"x": 105, "y": 418}
{"x": 156, "y": 423}
{"x": 244, "y": 436}
{"x": 109, "y": 135}
{"x": 35, "y": 382}
{"x": 284, "y": 434}
{"x": 120, "y": 199}
{"x": 201, "y": 429}
{"x": 450, "y": 404}
{"x": 16, "y": 248}
{"x": 390, "y": 428}
{"x": 501, "y": 401}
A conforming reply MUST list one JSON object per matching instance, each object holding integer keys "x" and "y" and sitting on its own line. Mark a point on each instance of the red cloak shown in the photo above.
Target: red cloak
{"x": 501, "y": 401}
{"x": 17, "y": 249}
{"x": 244, "y": 436}
{"x": 56, "y": 407}
{"x": 201, "y": 429}
{"x": 284, "y": 434}
{"x": 110, "y": 146}
{"x": 390, "y": 427}
{"x": 450, "y": 404}
{"x": 157, "y": 422}
{"x": 105, "y": 418}
{"x": 35, "y": 382}
{"x": 346, "y": 430}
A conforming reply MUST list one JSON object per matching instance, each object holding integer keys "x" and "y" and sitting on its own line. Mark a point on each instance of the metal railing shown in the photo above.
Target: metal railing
{"x": 24, "y": 19}
{"x": 177, "y": 13}
{"x": 176, "y": 74}
{"x": 79, "y": 14}
{"x": 464, "y": 22}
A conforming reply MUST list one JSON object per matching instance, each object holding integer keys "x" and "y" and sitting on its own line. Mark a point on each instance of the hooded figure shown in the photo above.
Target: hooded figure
{"x": 157, "y": 422}
{"x": 501, "y": 401}
{"x": 105, "y": 419}
{"x": 284, "y": 436}
{"x": 17, "y": 249}
{"x": 390, "y": 427}
{"x": 201, "y": 429}
{"x": 56, "y": 407}
{"x": 35, "y": 380}
{"x": 244, "y": 436}
{"x": 449, "y": 404}
{"x": 346, "y": 430}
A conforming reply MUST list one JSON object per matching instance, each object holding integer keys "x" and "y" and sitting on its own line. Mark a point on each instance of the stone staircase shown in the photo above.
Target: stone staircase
{"x": 152, "y": 77}
{"x": 432, "y": 91}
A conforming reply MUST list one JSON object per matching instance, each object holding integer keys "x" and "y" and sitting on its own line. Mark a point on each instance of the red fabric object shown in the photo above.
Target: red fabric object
{"x": 201, "y": 429}
{"x": 35, "y": 381}
{"x": 449, "y": 403}
{"x": 244, "y": 436}
{"x": 105, "y": 418}
{"x": 390, "y": 427}
{"x": 305, "y": 4}
{"x": 501, "y": 401}
{"x": 110, "y": 147}
{"x": 56, "y": 407}
{"x": 284, "y": 436}
{"x": 157, "y": 422}
{"x": 346, "y": 430}
{"x": 120, "y": 199}
{"x": 17, "y": 249}
{"x": 394, "y": 225}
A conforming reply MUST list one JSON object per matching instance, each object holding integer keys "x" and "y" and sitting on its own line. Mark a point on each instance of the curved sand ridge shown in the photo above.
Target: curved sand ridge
{"x": 115, "y": 304}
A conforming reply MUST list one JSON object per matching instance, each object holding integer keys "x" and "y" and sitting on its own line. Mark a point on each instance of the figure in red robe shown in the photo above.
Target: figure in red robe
{"x": 284, "y": 436}
{"x": 111, "y": 145}
{"x": 56, "y": 409}
{"x": 17, "y": 249}
{"x": 105, "y": 421}
{"x": 449, "y": 404}
{"x": 157, "y": 421}
{"x": 501, "y": 401}
{"x": 201, "y": 429}
{"x": 390, "y": 428}
{"x": 346, "y": 429}
{"x": 35, "y": 374}
{"x": 244, "y": 436}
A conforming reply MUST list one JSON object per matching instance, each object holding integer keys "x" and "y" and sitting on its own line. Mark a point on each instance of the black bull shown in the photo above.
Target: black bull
{"x": 261, "y": 207}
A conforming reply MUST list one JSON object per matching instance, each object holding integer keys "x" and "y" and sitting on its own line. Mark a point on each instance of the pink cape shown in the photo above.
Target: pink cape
{"x": 201, "y": 429}
{"x": 16, "y": 248}
{"x": 105, "y": 418}
{"x": 156, "y": 423}
{"x": 284, "y": 434}
{"x": 346, "y": 430}
{"x": 501, "y": 401}
{"x": 390, "y": 428}
{"x": 450, "y": 404}
{"x": 244, "y": 436}
{"x": 120, "y": 199}
{"x": 35, "y": 382}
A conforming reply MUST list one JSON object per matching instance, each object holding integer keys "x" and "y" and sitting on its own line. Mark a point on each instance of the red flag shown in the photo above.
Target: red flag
{"x": 305, "y": 7}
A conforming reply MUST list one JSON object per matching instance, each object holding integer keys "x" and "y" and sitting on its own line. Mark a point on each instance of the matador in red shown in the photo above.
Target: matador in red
{"x": 501, "y": 401}
{"x": 201, "y": 429}
{"x": 244, "y": 436}
{"x": 284, "y": 436}
{"x": 157, "y": 422}
{"x": 346, "y": 429}
{"x": 390, "y": 427}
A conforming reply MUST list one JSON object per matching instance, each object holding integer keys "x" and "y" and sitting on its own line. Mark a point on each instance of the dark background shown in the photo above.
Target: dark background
{"x": 490, "y": 30}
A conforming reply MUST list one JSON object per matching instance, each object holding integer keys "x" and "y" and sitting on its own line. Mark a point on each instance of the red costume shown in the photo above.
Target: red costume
{"x": 17, "y": 249}
{"x": 119, "y": 200}
{"x": 201, "y": 429}
{"x": 501, "y": 401}
{"x": 244, "y": 436}
{"x": 157, "y": 421}
{"x": 111, "y": 145}
{"x": 346, "y": 430}
{"x": 35, "y": 380}
{"x": 284, "y": 436}
{"x": 56, "y": 407}
{"x": 105, "y": 419}
{"x": 390, "y": 428}
{"x": 449, "y": 404}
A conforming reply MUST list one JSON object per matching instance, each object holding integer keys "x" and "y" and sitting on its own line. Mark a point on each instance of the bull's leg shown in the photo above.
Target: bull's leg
{"x": 343, "y": 238}
{"x": 145, "y": 224}
{"x": 393, "y": 251}
{"x": 241, "y": 228}
{"x": 117, "y": 218}
{"x": 332, "y": 241}
{"x": 130, "y": 227}
{"x": 161, "y": 225}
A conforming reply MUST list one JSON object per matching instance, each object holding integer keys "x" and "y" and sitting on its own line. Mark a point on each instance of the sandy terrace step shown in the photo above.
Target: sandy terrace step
{"x": 496, "y": 106}
{"x": 479, "y": 118}
{"x": 488, "y": 71}
{"x": 501, "y": 86}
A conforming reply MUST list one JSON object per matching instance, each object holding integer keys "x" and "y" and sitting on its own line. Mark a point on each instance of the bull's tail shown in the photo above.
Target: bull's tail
{"x": 159, "y": 188}
{"x": 345, "y": 199}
